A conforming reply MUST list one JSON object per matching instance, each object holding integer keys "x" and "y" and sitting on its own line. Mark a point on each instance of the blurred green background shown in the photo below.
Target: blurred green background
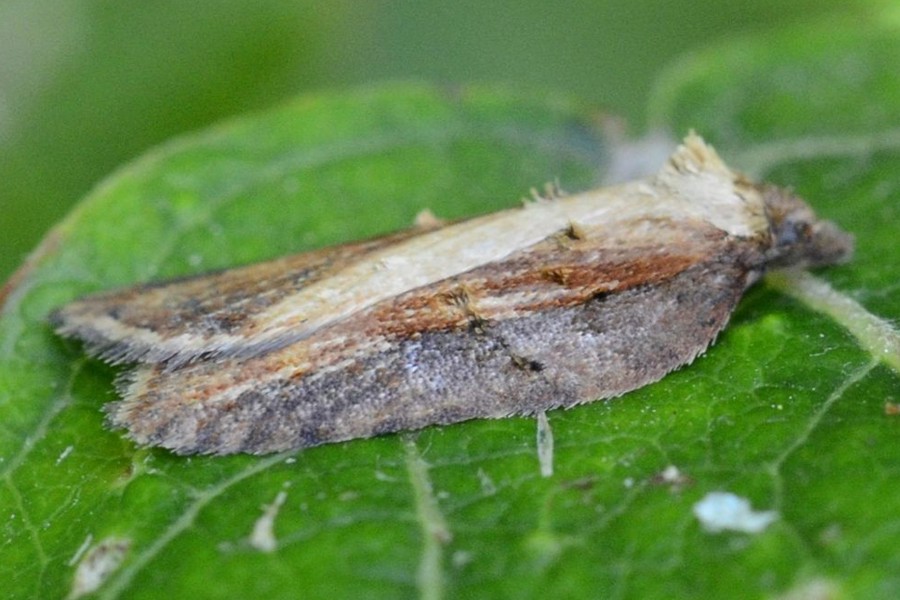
{"x": 87, "y": 85}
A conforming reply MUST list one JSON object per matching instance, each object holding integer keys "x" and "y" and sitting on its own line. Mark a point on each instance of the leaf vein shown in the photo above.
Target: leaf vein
{"x": 774, "y": 467}
{"x": 118, "y": 583}
{"x": 762, "y": 157}
{"x": 435, "y": 532}
{"x": 876, "y": 335}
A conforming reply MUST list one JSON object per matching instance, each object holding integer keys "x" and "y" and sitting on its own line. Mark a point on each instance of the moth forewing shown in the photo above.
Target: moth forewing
{"x": 254, "y": 309}
{"x": 549, "y": 305}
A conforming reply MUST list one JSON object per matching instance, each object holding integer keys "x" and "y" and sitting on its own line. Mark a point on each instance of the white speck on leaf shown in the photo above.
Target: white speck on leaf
{"x": 65, "y": 453}
{"x": 263, "y": 535}
{"x": 544, "y": 445}
{"x": 97, "y": 564}
{"x": 724, "y": 511}
{"x": 671, "y": 474}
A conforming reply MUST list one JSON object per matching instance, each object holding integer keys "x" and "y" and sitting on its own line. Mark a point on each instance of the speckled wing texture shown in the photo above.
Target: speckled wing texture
{"x": 553, "y": 304}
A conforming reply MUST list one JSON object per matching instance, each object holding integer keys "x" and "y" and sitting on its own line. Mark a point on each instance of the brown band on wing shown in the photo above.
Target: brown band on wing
{"x": 542, "y": 277}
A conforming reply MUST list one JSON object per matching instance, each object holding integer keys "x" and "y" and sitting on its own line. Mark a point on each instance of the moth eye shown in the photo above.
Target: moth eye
{"x": 792, "y": 232}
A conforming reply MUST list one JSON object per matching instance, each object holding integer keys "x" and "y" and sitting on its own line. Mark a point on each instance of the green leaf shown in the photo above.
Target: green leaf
{"x": 787, "y": 409}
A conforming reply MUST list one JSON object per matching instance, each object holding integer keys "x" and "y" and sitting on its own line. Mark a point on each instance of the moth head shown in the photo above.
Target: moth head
{"x": 799, "y": 237}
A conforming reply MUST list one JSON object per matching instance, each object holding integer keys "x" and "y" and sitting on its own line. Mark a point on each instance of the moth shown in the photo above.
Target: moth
{"x": 556, "y": 303}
